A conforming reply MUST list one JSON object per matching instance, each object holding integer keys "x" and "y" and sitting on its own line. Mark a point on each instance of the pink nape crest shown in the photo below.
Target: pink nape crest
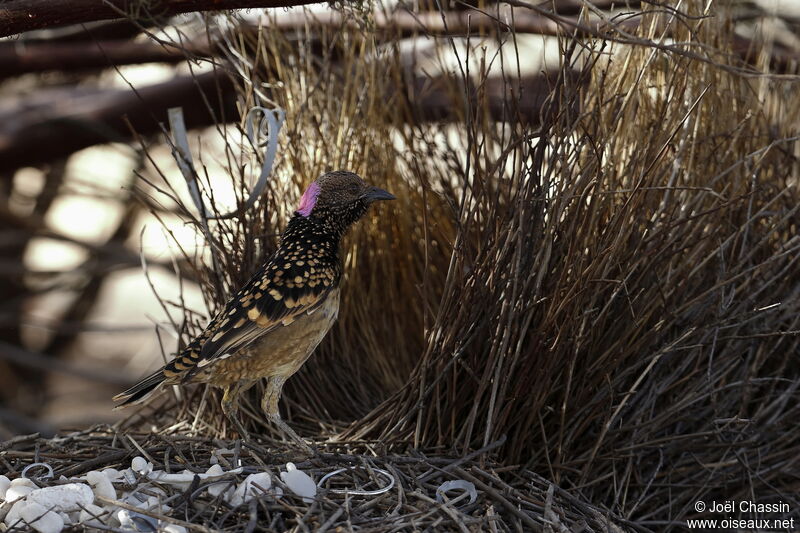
{"x": 308, "y": 200}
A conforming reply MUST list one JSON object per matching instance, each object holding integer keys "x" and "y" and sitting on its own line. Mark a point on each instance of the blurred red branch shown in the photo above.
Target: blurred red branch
{"x": 53, "y": 124}
{"x": 19, "y": 16}
{"x": 20, "y": 58}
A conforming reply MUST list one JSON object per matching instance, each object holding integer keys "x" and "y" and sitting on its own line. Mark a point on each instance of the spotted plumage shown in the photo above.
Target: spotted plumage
{"x": 275, "y": 321}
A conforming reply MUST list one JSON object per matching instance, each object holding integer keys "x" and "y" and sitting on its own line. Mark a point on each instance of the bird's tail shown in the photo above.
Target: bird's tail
{"x": 141, "y": 391}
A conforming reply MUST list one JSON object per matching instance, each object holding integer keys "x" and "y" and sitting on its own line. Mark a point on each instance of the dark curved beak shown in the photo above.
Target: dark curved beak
{"x": 374, "y": 193}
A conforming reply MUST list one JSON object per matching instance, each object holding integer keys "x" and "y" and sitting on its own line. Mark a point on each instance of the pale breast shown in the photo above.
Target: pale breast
{"x": 281, "y": 352}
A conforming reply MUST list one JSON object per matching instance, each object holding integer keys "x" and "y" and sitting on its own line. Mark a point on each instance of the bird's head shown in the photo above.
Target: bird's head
{"x": 341, "y": 197}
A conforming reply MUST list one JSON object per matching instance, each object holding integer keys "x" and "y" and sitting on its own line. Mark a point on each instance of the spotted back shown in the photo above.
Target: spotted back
{"x": 295, "y": 280}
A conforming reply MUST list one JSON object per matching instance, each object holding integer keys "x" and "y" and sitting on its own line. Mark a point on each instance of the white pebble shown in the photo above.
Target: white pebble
{"x": 173, "y": 528}
{"x": 252, "y": 486}
{"x": 214, "y": 471}
{"x": 15, "y": 492}
{"x": 12, "y": 515}
{"x": 91, "y": 515}
{"x": 65, "y": 498}
{"x": 4, "y": 484}
{"x": 101, "y": 485}
{"x": 19, "y": 488}
{"x": 39, "y": 518}
{"x": 140, "y": 465}
{"x": 23, "y": 482}
{"x": 112, "y": 474}
{"x": 299, "y": 482}
{"x": 215, "y": 489}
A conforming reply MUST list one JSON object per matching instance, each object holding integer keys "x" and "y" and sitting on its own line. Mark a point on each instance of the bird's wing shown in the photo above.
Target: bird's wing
{"x": 281, "y": 292}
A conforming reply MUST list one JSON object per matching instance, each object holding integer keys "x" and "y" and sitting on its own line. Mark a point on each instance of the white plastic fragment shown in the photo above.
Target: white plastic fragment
{"x": 139, "y": 499}
{"x": 101, "y": 485}
{"x": 185, "y": 478}
{"x": 157, "y": 491}
{"x": 173, "y": 528}
{"x": 154, "y": 503}
{"x": 4, "y": 484}
{"x": 182, "y": 480}
{"x": 141, "y": 466}
{"x": 136, "y": 521}
{"x": 39, "y": 518}
{"x": 456, "y": 484}
{"x": 252, "y": 486}
{"x": 299, "y": 482}
{"x": 128, "y": 476}
{"x": 124, "y": 518}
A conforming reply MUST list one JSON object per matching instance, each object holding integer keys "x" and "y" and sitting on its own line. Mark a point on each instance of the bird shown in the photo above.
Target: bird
{"x": 271, "y": 326}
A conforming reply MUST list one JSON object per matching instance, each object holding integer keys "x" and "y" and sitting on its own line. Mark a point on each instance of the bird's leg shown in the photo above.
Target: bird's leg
{"x": 230, "y": 406}
{"x": 269, "y": 403}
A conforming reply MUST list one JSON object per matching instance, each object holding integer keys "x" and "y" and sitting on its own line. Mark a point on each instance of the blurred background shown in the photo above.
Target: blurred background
{"x": 79, "y": 318}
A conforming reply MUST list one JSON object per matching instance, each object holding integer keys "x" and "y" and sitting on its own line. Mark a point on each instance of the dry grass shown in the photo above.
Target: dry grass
{"x": 615, "y": 291}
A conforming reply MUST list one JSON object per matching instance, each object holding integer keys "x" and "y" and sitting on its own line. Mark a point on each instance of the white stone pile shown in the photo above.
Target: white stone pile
{"x": 113, "y": 498}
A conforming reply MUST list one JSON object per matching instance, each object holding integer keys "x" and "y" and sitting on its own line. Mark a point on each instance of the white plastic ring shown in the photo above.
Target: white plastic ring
{"x": 357, "y": 492}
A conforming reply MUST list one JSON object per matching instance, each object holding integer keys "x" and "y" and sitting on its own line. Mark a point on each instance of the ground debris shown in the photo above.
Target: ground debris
{"x": 202, "y": 484}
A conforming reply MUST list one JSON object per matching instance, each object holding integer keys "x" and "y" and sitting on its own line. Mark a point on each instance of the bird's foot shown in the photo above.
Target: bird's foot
{"x": 292, "y": 435}
{"x": 237, "y": 424}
